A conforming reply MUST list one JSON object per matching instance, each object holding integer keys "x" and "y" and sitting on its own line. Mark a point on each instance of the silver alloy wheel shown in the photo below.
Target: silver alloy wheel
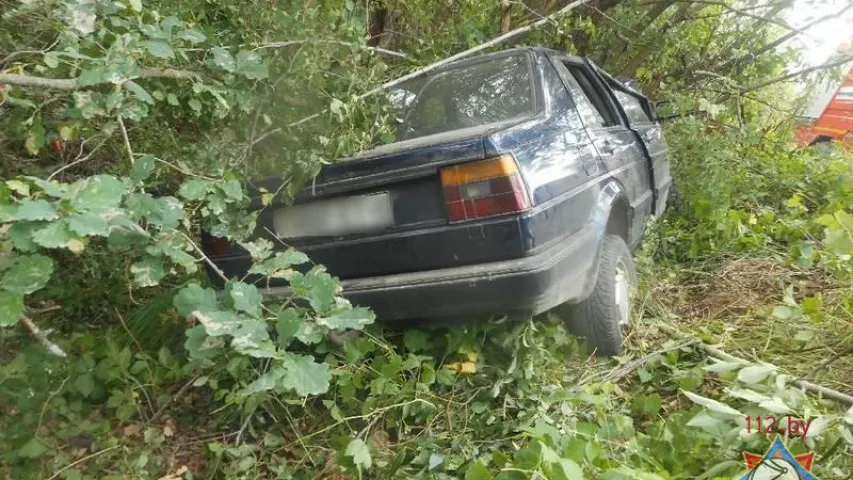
{"x": 623, "y": 294}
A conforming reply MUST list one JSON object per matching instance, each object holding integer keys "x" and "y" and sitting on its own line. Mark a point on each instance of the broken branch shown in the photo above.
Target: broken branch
{"x": 71, "y": 83}
{"x": 42, "y": 337}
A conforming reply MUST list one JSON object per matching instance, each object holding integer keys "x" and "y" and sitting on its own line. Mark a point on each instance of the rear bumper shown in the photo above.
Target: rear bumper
{"x": 526, "y": 286}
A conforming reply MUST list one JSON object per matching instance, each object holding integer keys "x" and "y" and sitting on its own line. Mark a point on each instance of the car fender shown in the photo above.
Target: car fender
{"x": 611, "y": 197}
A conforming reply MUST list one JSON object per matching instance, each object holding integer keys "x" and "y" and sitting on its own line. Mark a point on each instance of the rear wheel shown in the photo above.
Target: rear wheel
{"x": 606, "y": 313}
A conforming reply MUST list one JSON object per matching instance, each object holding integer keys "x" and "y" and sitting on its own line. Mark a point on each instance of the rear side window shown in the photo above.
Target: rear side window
{"x": 633, "y": 108}
{"x": 603, "y": 113}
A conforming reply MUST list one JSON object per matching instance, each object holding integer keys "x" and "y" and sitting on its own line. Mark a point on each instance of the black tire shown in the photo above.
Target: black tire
{"x": 599, "y": 319}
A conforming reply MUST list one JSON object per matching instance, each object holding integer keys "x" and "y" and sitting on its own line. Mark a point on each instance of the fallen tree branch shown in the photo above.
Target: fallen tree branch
{"x": 715, "y": 352}
{"x": 798, "y": 73}
{"x": 434, "y": 66}
{"x": 626, "y": 369}
{"x": 71, "y": 83}
{"x": 42, "y": 337}
{"x": 288, "y": 43}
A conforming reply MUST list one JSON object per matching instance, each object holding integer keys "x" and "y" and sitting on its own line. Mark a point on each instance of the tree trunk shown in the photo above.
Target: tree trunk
{"x": 640, "y": 26}
{"x": 506, "y": 16}
{"x": 646, "y": 50}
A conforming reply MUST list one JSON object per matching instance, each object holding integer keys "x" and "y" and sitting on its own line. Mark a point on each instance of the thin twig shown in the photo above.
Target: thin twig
{"x": 46, "y": 402}
{"x": 798, "y": 73}
{"x": 382, "y": 51}
{"x": 174, "y": 398}
{"x": 79, "y": 160}
{"x": 87, "y": 457}
{"x": 243, "y": 427}
{"x": 42, "y": 338}
{"x": 206, "y": 259}
{"x": 126, "y": 139}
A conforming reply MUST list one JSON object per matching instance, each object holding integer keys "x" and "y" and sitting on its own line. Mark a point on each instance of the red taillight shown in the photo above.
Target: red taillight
{"x": 483, "y": 189}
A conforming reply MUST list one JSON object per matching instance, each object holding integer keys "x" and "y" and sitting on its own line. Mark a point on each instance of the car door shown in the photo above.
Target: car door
{"x": 641, "y": 119}
{"x": 618, "y": 146}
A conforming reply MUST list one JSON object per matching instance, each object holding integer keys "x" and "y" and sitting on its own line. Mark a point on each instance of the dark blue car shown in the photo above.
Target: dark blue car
{"x": 520, "y": 183}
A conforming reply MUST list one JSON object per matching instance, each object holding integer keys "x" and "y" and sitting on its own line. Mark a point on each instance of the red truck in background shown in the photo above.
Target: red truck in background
{"x": 828, "y": 116}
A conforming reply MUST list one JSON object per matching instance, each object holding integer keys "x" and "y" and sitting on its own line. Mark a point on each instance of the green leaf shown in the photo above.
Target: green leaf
{"x": 11, "y": 308}
{"x": 99, "y": 192}
{"x": 196, "y": 188}
{"x": 287, "y": 325}
{"x": 265, "y": 382}
{"x": 219, "y": 322}
{"x": 18, "y": 186}
{"x": 85, "y": 384}
{"x": 782, "y": 312}
{"x": 36, "y": 210}
{"x": 191, "y": 35}
{"x": 232, "y": 189}
{"x": 21, "y": 234}
{"x": 195, "y": 105}
{"x": 91, "y": 76}
{"x": 35, "y": 141}
{"x": 252, "y": 338}
{"x": 317, "y": 286}
{"x": 282, "y": 261}
{"x": 172, "y": 99}
{"x": 147, "y": 272}
{"x": 722, "y": 367}
{"x": 88, "y": 225}
{"x": 305, "y": 376}
{"x": 51, "y": 60}
{"x": 718, "y": 470}
{"x": 775, "y": 405}
{"x": 136, "y": 5}
{"x": 159, "y": 48}
{"x": 819, "y": 424}
{"x": 259, "y": 250}
{"x": 359, "y": 452}
{"x": 222, "y": 59}
{"x": 51, "y": 188}
{"x": 194, "y": 298}
{"x": 139, "y": 92}
{"x": 570, "y": 470}
{"x": 244, "y": 298}
{"x": 142, "y": 168}
{"x": 32, "y": 449}
{"x": 477, "y": 471}
{"x": 175, "y": 248}
{"x": 349, "y": 319}
{"x": 54, "y": 235}
{"x": 755, "y": 373}
{"x": 27, "y": 274}
{"x": 164, "y": 212}
{"x": 251, "y": 66}
{"x": 712, "y": 404}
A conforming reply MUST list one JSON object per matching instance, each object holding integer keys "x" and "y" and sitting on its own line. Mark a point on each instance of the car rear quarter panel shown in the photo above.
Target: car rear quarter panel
{"x": 562, "y": 171}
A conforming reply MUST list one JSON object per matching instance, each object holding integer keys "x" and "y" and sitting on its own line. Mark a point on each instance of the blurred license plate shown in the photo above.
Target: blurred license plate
{"x": 339, "y": 216}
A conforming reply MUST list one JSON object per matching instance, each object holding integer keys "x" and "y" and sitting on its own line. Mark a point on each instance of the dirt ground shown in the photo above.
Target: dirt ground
{"x": 734, "y": 306}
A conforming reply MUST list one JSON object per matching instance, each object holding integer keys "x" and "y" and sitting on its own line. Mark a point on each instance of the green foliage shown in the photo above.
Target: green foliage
{"x": 157, "y": 115}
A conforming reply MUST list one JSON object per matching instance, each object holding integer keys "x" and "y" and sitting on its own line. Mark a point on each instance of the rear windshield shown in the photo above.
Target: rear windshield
{"x": 463, "y": 97}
